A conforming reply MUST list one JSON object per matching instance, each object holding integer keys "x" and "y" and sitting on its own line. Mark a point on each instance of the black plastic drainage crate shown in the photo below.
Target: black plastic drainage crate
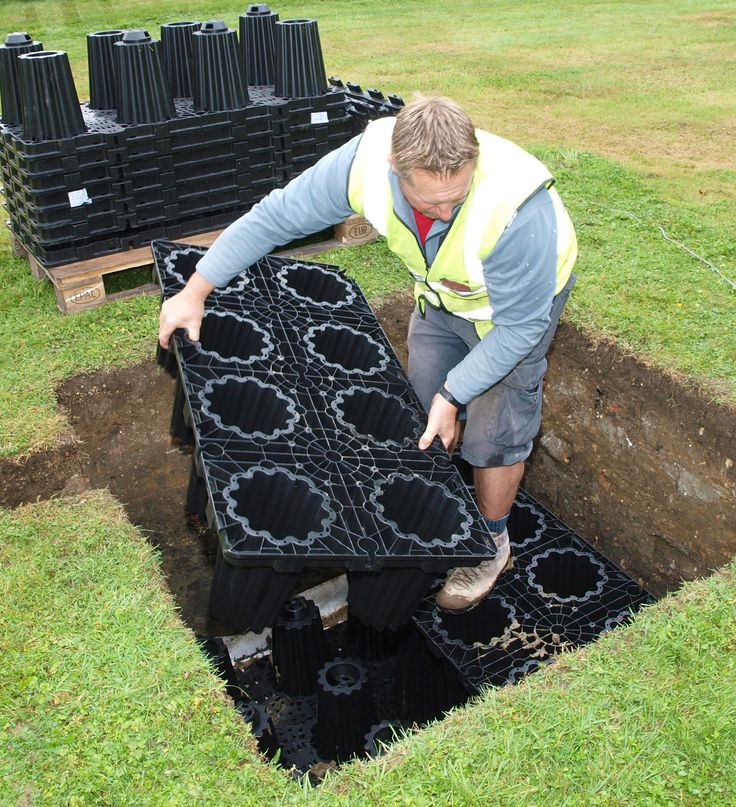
{"x": 304, "y": 430}
{"x": 328, "y": 695}
{"x": 561, "y": 593}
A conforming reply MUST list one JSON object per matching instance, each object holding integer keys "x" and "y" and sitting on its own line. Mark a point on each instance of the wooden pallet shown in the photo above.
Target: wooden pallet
{"x": 17, "y": 248}
{"x": 80, "y": 285}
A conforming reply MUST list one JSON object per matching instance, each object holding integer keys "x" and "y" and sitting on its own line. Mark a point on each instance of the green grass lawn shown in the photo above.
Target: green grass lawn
{"x": 104, "y": 697}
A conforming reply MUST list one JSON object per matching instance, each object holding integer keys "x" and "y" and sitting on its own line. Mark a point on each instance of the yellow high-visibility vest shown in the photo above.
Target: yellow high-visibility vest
{"x": 505, "y": 176}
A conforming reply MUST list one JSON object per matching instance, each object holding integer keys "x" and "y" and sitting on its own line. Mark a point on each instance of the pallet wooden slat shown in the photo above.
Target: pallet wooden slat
{"x": 17, "y": 248}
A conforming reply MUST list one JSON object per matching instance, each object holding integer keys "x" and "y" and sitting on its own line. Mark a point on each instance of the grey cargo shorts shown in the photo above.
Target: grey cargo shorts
{"x": 503, "y": 421}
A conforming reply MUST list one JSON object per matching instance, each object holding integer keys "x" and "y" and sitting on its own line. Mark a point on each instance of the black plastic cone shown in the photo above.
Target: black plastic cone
{"x": 15, "y": 45}
{"x": 101, "y": 62}
{"x": 260, "y": 724}
{"x": 142, "y": 89}
{"x": 387, "y": 599}
{"x": 219, "y": 83}
{"x": 49, "y": 98}
{"x": 370, "y": 644}
{"x": 427, "y": 686}
{"x": 298, "y": 647}
{"x": 176, "y": 40}
{"x": 300, "y": 68}
{"x": 258, "y": 43}
{"x": 345, "y": 709}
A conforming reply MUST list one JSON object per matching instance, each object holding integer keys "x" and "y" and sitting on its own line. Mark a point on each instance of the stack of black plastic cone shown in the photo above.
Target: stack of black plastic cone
{"x": 141, "y": 87}
{"x": 298, "y": 647}
{"x": 216, "y": 650}
{"x": 345, "y": 709}
{"x": 257, "y": 43}
{"x": 176, "y": 39}
{"x": 15, "y": 45}
{"x": 197, "y": 497}
{"x": 49, "y": 98}
{"x": 219, "y": 82}
{"x": 101, "y": 62}
{"x": 368, "y": 643}
{"x": 300, "y": 68}
{"x": 386, "y": 600}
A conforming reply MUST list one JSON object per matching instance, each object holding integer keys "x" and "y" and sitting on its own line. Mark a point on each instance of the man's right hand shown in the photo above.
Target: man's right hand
{"x": 184, "y": 310}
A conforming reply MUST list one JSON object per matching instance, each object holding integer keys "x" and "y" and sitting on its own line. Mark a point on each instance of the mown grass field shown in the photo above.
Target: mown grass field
{"x": 103, "y": 695}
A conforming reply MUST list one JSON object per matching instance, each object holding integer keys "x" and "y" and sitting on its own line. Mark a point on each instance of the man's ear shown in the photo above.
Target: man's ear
{"x": 392, "y": 164}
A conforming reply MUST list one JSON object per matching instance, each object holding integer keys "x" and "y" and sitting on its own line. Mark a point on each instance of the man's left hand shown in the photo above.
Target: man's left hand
{"x": 442, "y": 422}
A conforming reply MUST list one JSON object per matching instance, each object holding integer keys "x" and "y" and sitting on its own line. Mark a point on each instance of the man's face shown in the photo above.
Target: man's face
{"x": 435, "y": 195}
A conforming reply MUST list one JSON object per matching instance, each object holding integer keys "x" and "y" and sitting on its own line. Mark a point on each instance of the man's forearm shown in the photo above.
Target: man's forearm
{"x": 198, "y": 287}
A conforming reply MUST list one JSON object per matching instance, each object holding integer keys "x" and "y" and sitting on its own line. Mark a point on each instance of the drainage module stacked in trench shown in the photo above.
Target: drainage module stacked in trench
{"x": 180, "y": 135}
{"x": 304, "y": 430}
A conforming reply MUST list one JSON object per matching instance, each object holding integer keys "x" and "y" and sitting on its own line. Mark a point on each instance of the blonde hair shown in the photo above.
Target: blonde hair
{"x": 433, "y": 134}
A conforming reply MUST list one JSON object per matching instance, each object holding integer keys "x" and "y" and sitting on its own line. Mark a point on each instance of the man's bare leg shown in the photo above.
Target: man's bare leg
{"x": 495, "y": 488}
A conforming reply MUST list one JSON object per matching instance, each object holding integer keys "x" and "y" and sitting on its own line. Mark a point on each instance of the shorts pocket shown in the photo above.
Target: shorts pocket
{"x": 520, "y": 412}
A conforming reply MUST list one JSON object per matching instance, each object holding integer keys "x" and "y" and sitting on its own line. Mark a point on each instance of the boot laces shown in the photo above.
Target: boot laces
{"x": 465, "y": 577}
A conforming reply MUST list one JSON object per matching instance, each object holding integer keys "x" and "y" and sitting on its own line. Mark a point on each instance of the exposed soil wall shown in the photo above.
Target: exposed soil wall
{"x": 636, "y": 463}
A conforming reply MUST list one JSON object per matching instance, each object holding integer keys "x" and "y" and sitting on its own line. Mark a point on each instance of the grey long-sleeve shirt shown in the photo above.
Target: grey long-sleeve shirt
{"x": 520, "y": 271}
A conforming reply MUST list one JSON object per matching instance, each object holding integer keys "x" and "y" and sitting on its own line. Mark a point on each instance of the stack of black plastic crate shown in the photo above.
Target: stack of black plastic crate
{"x": 180, "y": 135}
{"x": 367, "y": 104}
{"x": 303, "y": 429}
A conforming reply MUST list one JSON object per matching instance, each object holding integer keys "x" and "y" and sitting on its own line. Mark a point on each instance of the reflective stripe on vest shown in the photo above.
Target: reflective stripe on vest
{"x": 505, "y": 177}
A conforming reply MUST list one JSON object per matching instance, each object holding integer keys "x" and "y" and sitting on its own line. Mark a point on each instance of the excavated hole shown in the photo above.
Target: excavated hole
{"x": 643, "y": 506}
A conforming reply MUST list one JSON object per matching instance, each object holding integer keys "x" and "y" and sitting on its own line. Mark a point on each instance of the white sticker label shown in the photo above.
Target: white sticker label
{"x": 79, "y": 198}
{"x": 320, "y": 117}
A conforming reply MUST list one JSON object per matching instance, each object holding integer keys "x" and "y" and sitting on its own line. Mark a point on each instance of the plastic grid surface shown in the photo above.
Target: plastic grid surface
{"x": 366, "y": 104}
{"x": 560, "y": 594}
{"x": 373, "y": 502}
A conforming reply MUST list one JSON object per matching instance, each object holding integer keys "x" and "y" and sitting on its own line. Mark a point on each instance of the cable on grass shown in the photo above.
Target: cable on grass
{"x": 682, "y": 246}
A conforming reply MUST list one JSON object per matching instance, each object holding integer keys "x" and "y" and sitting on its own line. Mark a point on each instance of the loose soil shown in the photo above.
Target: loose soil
{"x": 631, "y": 460}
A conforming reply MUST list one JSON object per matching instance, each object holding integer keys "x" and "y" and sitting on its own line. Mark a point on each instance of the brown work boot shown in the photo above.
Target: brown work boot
{"x": 466, "y": 586}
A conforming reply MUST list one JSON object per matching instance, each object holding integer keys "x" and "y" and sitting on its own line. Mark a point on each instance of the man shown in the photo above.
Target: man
{"x": 491, "y": 249}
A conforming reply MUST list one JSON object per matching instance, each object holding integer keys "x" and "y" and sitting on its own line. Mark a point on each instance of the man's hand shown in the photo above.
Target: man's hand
{"x": 184, "y": 310}
{"x": 442, "y": 421}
